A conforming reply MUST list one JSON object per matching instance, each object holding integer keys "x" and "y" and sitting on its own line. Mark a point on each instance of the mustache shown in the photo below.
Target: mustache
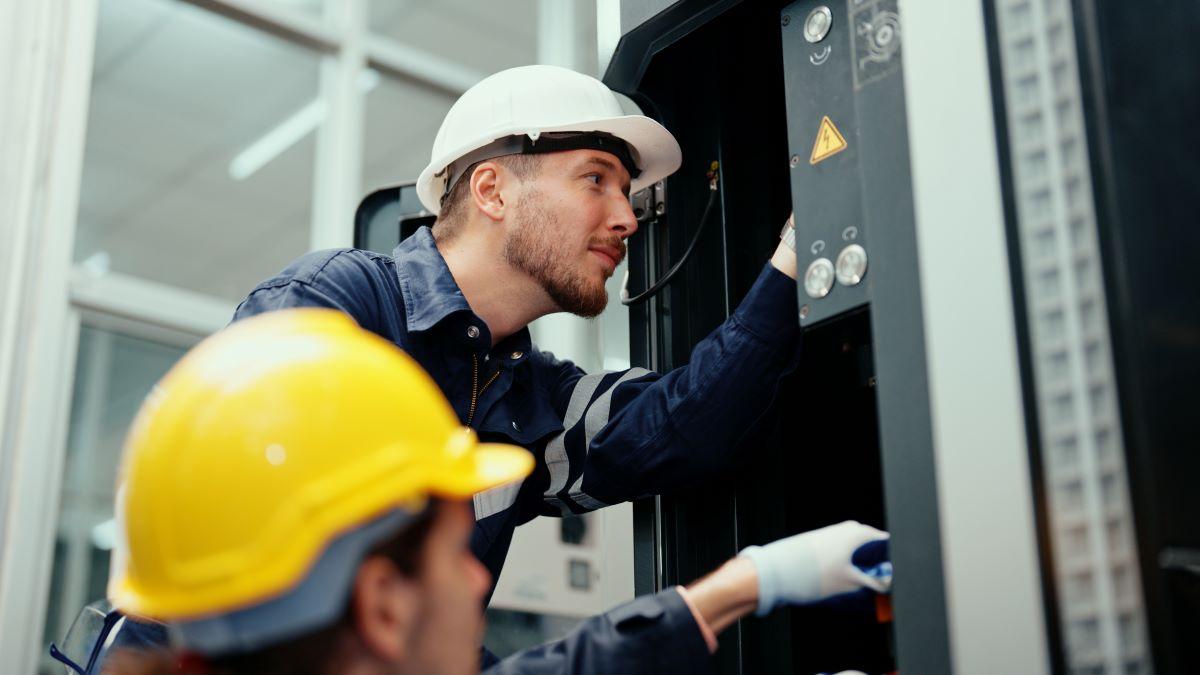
{"x": 613, "y": 242}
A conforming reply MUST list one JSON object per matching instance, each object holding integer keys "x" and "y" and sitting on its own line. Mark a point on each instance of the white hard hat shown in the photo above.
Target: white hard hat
{"x": 507, "y": 113}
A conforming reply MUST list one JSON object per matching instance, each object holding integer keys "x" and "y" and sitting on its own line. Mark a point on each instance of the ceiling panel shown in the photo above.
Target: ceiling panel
{"x": 203, "y": 66}
{"x": 177, "y": 93}
{"x": 218, "y": 236}
{"x": 400, "y": 123}
{"x": 121, "y": 26}
{"x": 487, "y": 36}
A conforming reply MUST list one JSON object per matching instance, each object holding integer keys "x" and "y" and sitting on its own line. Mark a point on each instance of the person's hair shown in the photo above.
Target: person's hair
{"x": 452, "y": 214}
{"x": 310, "y": 652}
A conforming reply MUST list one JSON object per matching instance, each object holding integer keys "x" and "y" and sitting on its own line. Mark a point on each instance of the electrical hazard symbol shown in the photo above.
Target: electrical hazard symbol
{"x": 829, "y": 142}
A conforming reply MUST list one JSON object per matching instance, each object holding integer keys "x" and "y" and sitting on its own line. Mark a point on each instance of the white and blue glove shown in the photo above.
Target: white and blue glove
{"x": 814, "y": 566}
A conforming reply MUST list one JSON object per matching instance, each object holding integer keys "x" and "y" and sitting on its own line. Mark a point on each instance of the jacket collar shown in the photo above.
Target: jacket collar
{"x": 431, "y": 295}
{"x": 429, "y": 290}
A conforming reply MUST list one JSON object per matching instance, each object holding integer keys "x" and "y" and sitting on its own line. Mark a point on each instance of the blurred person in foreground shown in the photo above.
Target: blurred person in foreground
{"x": 295, "y": 496}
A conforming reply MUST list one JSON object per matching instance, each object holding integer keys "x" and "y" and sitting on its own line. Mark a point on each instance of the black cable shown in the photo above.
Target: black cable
{"x": 666, "y": 278}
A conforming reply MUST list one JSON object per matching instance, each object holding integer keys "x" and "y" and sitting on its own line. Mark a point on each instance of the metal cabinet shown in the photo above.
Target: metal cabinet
{"x": 999, "y": 316}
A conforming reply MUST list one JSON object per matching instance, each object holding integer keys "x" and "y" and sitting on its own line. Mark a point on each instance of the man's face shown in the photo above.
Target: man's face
{"x": 453, "y": 583}
{"x": 570, "y": 225}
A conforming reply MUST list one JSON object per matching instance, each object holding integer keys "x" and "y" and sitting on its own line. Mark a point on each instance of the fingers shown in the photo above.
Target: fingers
{"x": 877, "y": 584}
{"x": 867, "y": 532}
{"x": 877, "y": 533}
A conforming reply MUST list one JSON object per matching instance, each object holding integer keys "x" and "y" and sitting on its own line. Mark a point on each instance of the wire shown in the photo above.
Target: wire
{"x": 666, "y": 278}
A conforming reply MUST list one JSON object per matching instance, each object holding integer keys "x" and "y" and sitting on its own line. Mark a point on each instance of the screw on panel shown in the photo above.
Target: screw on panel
{"x": 786, "y": 19}
{"x": 804, "y": 311}
{"x": 795, "y": 161}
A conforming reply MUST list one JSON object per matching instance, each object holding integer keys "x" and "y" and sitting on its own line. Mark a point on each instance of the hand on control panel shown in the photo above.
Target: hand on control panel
{"x": 784, "y": 259}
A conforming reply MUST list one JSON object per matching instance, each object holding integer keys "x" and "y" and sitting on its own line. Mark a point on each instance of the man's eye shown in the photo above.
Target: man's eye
{"x": 596, "y": 176}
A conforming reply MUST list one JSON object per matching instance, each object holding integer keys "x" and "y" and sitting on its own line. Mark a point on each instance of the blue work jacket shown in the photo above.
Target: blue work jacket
{"x": 653, "y": 634}
{"x": 599, "y": 438}
{"x": 626, "y": 640}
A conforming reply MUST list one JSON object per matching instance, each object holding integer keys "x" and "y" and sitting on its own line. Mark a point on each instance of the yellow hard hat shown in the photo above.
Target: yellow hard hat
{"x": 268, "y": 441}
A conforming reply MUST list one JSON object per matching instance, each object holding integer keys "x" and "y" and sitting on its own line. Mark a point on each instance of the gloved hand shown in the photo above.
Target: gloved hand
{"x": 809, "y": 567}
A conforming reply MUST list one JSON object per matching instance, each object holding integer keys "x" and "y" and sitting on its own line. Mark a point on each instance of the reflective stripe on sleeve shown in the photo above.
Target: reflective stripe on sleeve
{"x": 494, "y": 500}
{"x": 594, "y": 419}
{"x": 556, "y": 449}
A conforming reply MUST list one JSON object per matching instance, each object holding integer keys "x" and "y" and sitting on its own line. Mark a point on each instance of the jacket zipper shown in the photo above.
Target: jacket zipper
{"x": 476, "y": 392}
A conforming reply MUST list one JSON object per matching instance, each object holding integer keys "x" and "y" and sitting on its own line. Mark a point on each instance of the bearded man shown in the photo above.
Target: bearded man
{"x": 530, "y": 178}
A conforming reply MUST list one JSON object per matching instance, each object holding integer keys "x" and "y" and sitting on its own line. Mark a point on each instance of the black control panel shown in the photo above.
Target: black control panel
{"x": 835, "y": 56}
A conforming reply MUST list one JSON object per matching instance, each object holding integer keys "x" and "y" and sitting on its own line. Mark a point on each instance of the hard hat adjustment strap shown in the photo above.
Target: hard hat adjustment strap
{"x": 546, "y": 142}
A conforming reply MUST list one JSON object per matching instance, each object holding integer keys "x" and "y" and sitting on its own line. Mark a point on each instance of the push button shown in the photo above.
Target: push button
{"x": 816, "y": 26}
{"x": 851, "y": 265}
{"x": 818, "y": 280}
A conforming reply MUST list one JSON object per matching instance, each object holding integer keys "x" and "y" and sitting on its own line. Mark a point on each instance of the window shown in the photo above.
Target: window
{"x": 199, "y": 180}
{"x": 198, "y": 168}
{"x": 114, "y": 372}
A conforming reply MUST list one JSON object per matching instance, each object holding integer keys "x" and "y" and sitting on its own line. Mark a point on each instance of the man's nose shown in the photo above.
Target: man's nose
{"x": 623, "y": 222}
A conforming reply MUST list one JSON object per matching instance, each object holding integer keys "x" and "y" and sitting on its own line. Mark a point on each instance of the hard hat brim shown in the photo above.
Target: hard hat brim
{"x": 481, "y": 467}
{"x": 655, "y": 151}
{"x": 489, "y": 465}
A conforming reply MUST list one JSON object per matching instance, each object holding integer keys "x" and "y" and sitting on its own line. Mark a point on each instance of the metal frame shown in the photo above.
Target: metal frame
{"x": 342, "y": 35}
{"x": 956, "y": 464}
{"x": 344, "y": 19}
{"x": 145, "y": 308}
{"x": 681, "y": 537}
{"x": 48, "y": 67}
{"x": 337, "y": 175}
{"x": 988, "y": 532}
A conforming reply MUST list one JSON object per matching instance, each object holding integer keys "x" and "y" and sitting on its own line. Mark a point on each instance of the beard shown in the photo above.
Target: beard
{"x": 535, "y": 246}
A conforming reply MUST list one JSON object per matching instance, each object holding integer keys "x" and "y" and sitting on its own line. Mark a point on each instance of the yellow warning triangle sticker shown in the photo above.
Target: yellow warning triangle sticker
{"x": 829, "y": 142}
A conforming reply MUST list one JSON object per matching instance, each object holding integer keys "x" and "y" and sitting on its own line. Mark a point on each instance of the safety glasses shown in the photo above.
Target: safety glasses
{"x": 90, "y": 632}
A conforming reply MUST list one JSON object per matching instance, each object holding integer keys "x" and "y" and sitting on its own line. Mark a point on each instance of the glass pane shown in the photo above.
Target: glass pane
{"x": 401, "y": 121}
{"x": 200, "y": 149}
{"x": 313, "y": 7}
{"x": 402, "y": 118}
{"x": 485, "y": 36}
{"x": 114, "y": 372}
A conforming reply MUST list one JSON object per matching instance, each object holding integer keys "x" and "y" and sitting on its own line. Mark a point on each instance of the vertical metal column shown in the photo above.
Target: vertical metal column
{"x": 337, "y": 177}
{"x": 45, "y": 73}
{"x": 993, "y": 587}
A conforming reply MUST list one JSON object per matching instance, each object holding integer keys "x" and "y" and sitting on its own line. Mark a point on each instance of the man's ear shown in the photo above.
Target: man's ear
{"x": 487, "y": 186}
{"x": 384, "y": 608}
